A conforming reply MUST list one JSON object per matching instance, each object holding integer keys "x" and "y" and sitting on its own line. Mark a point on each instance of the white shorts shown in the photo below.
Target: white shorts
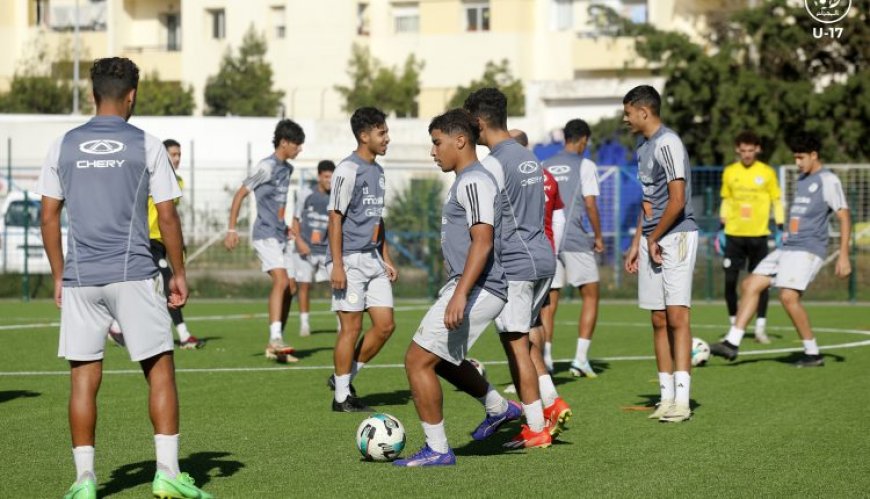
{"x": 524, "y": 302}
{"x": 453, "y": 345}
{"x": 669, "y": 284}
{"x": 311, "y": 268}
{"x": 790, "y": 269}
{"x": 275, "y": 254}
{"x": 138, "y": 306}
{"x": 367, "y": 284}
{"x": 575, "y": 268}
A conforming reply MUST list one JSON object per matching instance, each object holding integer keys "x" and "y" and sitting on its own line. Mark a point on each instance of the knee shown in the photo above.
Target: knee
{"x": 659, "y": 320}
{"x": 386, "y": 328}
{"x": 789, "y": 298}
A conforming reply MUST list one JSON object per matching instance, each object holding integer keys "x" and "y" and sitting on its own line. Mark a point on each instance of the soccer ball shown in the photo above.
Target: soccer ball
{"x": 478, "y": 365}
{"x": 380, "y": 437}
{"x": 700, "y": 352}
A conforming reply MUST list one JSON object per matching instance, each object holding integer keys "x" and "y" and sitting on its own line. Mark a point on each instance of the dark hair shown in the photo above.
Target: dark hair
{"x": 521, "y": 137}
{"x": 113, "y": 77}
{"x": 456, "y": 121}
{"x": 366, "y": 118}
{"x": 325, "y": 166}
{"x": 490, "y": 105}
{"x": 575, "y": 130}
{"x": 644, "y": 96}
{"x": 290, "y": 131}
{"x": 171, "y": 143}
{"x": 747, "y": 137}
{"x": 804, "y": 142}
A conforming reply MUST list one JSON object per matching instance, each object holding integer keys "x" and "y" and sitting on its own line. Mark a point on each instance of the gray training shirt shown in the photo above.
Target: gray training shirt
{"x": 472, "y": 199}
{"x": 104, "y": 172}
{"x": 662, "y": 159}
{"x": 313, "y": 214}
{"x": 577, "y": 178}
{"x": 270, "y": 184}
{"x": 526, "y": 253}
{"x": 358, "y": 190}
{"x": 816, "y": 198}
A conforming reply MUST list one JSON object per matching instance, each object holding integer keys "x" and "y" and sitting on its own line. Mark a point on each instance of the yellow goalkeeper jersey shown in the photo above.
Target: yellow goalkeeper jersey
{"x": 153, "y": 228}
{"x": 747, "y": 195}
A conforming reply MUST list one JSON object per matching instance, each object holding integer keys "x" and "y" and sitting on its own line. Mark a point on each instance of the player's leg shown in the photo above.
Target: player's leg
{"x": 379, "y": 302}
{"x": 732, "y": 262}
{"x": 756, "y": 251}
{"x": 548, "y": 320}
{"x": 343, "y": 360}
{"x": 287, "y": 300}
{"x": 517, "y": 348}
{"x": 428, "y": 400}
{"x": 581, "y": 271}
{"x": 304, "y": 278}
{"x": 557, "y": 412}
{"x": 277, "y": 304}
{"x": 752, "y": 286}
{"x": 791, "y": 301}
{"x": 680, "y": 340}
{"x": 664, "y": 362}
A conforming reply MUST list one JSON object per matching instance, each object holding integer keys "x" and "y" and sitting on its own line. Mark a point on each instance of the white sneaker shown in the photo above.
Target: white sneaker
{"x": 305, "y": 330}
{"x": 761, "y": 337}
{"x": 276, "y": 348}
{"x": 510, "y": 388}
{"x": 676, "y": 414}
{"x": 661, "y": 408}
{"x": 582, "y": 370}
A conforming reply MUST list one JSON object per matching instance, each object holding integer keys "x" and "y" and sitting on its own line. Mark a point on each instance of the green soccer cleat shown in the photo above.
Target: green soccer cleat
{"x": 85, "y": 489}
{"x": 180, "y": 487}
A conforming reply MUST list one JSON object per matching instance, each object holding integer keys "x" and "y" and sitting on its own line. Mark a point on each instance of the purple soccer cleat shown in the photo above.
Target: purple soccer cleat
{"x": 428, "y": 457}
{"x": 491, "y": 424}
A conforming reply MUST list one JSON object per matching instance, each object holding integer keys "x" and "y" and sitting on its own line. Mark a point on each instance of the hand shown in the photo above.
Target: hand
{"x": 302, "y": 248}
{"x": 599, "y": 245}
{"x": 290, "y": 234}
{"x": 392, "y": 273}
{"x": 455, "y": 311}
{"x": 655, "y": 251}
{"x": 630, "y": 262}
{"x": 843, "y": 267}
{"x": 177, "y": 291}
{"x": 58, "y": 292}
{"x": 231, "y": 240}
{"x": 719, "y": 242}
{"x": 338, "y": 279}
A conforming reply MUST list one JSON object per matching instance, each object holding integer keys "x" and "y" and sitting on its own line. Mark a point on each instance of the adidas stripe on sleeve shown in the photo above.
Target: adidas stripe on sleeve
{"x": 477, "y": 194}
{"x": 343, "y": 181}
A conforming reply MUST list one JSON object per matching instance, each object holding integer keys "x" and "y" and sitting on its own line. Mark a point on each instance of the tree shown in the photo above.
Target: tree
{"x": 243, "y": 84}
{"x": 156, "y": 97}
{"x": 498, "y": 76}
{"x": 372, "y": 84}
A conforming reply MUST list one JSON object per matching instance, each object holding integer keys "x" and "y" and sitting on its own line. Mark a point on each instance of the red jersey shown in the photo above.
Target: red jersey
{"x": 553, "y": 202}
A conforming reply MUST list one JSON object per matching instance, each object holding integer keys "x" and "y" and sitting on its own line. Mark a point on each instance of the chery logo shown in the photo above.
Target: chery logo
{"x": 559, "y": 169}
{"x": 528, "y": 167}
{"x": 101, "y": 146}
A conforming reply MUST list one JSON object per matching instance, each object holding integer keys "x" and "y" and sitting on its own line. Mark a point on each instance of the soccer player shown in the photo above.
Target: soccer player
{"x": 664, "y": 247}
{"x": 819, "y": 194}
{"x": 576, "y": 265}
{"x": 749, "y": 188}
{"x": 359, "y": 264}
{"x": 270, "y": 183}
{"x": 475, "y": 292}
{"x": 309, "y": 224}
{"x": 104, "y": 171}
{"x": 526, "y": 254}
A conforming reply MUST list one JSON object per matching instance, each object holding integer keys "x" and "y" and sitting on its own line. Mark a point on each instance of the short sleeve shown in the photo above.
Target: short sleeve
{"x": 343, "y": 181}
{"x": 832, "y": 192}
{"x": 773, "y": 185}
{"x": 477, "y": 194}
{"x": 49, "y": 179}
{"x": 300, "y": 202}
{"x": 589, "y": 179}
{"x": 671, "y": 154}
{"x": 493, "y": 166}
{"x": 163, "y": 185}
{"x": 259, "y": 177}
{"x": 725, "y": 190}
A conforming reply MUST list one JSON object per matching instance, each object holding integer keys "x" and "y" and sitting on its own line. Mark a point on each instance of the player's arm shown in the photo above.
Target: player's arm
{"x": 725, "y": 194}
{"x": 843, "y": 267}
{"x": 50, "y": 188}
{"x": 231, "y": 240}
{"x": 164, "y": 190}
{"x": 340, "y": 194}
{"x": 776, "y": 202}
{"x": 558, "y": 228}
{"x": 630, "y": 262}
{"x": 595, "y": 221}
{"x": 591, "y": 190}
{"x": 301, "y": 246}
{"x": 333, "y": 231}
{"x": 392, "y": 270}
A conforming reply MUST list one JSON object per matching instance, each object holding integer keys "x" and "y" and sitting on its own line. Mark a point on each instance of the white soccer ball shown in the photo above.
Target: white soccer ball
{"x": 380, "y": 437}
{"x": 700, "y": 352}
{"x": 478, "y": 365}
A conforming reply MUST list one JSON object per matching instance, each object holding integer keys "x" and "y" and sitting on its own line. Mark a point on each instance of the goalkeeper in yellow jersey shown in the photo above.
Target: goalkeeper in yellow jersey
{"x": 749, "y": 190}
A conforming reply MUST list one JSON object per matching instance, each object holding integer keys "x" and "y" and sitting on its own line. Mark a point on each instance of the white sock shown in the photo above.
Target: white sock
{"x": 534, "y": 415}
{"x": 548, "y": 390}
{"x": 735, "y": 336}
{"x": 682, "y": 384}
{"x": 167, "y": 453}
{"x": 342, "y": 387}
{"x": 810, "y": 347}
{"x": 337, "y": 323}
{"x": 115, "y": 327}
{"x": 548, "y": 352}
{"x": 732, "y": 319}
{"x": 493, "y": 402}
{"x": 760, "y": 323}
{"x": 436, "y": 437}
{"x": 582, "y": 350}
{"x": 357, "y": 367}
{"x": 83, "y": 456}
{"x": 183, "y": 333}
{"x": 666, "y": 386}
{"x": 275, "y": 333}
{"x": 303, "y": 318}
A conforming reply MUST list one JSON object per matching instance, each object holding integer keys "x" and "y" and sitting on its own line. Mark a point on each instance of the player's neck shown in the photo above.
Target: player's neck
{"x": 495, "y": 137}
{"x": 114, "y": 109}
{"x": 464, "y": 163}
{"x": 281, "y": 155}
{"x": 363, "y": 152}
{"x": 651, "y": 128}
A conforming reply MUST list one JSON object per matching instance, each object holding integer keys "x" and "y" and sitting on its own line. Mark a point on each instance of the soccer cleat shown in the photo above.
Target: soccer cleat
{"x": 428, "y": 457}
{"x": 677, "y": 413}
{"x": 810, "y": 361}
{"x": 724, "y": 349}
{"x": 180, "y": 487}
{"x": 83, "y": 489}
{"x": 305, "y": 331}
{"x": 116, "y": 336}
{"x": 528, "y": 439}
{"x": 761, "y": 337}
{"x": 578, "y": 370}
{"x": 492, "y": 423}
{"x": 275, "y": 348}
{"x": 191, "y": 343}
{"x": 350, "y": 404}
{"x": 511, "y": 388}
{"x": 557, "y": 416}
{"x": 661, "y": 408}
{"x": 330, "y": 382}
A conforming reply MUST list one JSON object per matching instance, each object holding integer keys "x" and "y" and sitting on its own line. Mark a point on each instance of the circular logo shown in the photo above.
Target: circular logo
{"x": 759, "y": 180}
{"x": 382, "y": 183}
{"x": 828, "y": 11}
{"x": 528, "y": 167}
{"x": 101, "y": 146}
{"x": 163, "y": 263}
{"x": 559, "y": 169}
{"x": 352, "y": 297}
{"x": 726, "y": 262}
{"x": 814, "y": 187}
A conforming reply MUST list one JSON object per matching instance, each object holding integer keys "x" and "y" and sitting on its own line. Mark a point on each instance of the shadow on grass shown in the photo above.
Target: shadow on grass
{"x": 786, "y": 359}
{"x": 198, "y": 465}
{"x": 206, "y": 339}
{"x": 7, "y": 395}
{"x": 562, "y": 375}
{"x": 398, "y": 397}
{"x": 651, "y": 399}
{"x": 299, "y": 353}
{"x": 324, "y": 331}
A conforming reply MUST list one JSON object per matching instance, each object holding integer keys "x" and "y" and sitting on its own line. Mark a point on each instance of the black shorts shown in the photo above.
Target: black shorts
{"x": 744, "y": 252}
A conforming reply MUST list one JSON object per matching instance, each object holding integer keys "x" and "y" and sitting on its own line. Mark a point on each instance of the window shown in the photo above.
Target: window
{"x": 41, "y": 12}
{"x": 279, "y": 25}
{"x": 406, "y": 17}
{"x": 218, "y": 23}
{"x": 362, "y": 19}
{"x": 562, "y": 14}
{"x": 635, "y": 11}
{"x": 477, "y": 16}
{"x": 172, "y": 23}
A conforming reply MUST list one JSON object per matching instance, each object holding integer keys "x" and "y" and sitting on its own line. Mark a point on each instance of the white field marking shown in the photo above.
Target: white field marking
{"x": 854, "y": 344}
